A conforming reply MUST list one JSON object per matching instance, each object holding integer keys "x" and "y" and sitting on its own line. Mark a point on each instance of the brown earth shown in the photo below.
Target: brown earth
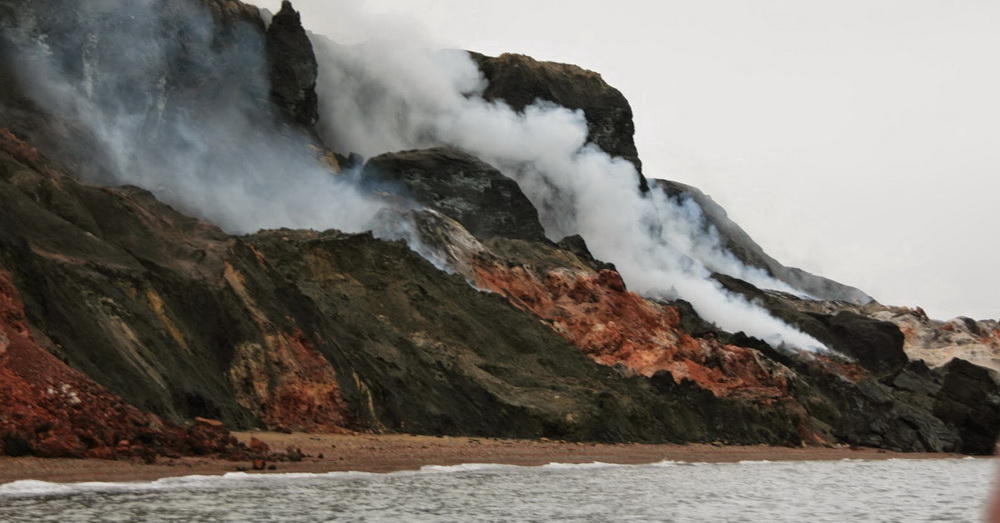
{"x": 387, "y": 453}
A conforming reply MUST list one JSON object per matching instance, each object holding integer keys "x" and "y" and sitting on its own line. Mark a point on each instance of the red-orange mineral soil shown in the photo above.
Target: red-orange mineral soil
{"x": 615, "y": 326}
{"x": 48, "y": 409}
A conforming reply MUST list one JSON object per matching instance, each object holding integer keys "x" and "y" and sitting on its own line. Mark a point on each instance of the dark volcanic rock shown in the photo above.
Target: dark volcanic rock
{"x": 969, "y": 399}
{"x": 428, "y": 353}
{"x": 309, "y": 330}
{"x": 521, "y": 80}
{"x": 150, "y": 304}
{"x": 460, "y": 186}
{"x": 293, "y": 67}
{"x": 849, "y": 407}
{"x": 877, "y": 345}
{"x": 578, "y": 246}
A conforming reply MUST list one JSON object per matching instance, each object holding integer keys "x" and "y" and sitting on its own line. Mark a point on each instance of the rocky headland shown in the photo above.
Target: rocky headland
{"x": 131, "y": 328}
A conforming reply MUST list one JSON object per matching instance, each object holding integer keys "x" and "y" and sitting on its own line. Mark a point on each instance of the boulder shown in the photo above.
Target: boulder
{"x": 969, "y": 399}
{"x": 460, "y": 186}
{"x": 876, "y": 345}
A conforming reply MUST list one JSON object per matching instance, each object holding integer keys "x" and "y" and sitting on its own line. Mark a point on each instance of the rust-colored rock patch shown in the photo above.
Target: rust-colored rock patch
{"x": 48, "y": 409}
{"x": 617, "y": 327}
{"x": 289, "y": 384}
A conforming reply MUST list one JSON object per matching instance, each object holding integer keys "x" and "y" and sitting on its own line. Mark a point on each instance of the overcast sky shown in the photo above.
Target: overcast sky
{"x": 859, "y": 140}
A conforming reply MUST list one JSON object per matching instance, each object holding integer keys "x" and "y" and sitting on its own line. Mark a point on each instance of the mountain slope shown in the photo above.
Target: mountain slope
{"x": 476, "y": 323}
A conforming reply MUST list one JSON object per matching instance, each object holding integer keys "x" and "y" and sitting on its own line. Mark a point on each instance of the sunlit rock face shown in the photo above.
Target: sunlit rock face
{"x": 938, "y": 342}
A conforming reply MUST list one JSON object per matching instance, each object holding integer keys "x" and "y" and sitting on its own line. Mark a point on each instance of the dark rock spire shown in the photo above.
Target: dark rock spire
{"x": 292, "y": 66}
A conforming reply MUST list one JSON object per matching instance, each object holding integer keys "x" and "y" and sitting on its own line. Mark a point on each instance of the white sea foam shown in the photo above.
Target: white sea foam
{"x": 591, "y": 465}
{"x": 34, "y": 487}
{"x": 465, "y": 467}
{"x": 830, "y": 491}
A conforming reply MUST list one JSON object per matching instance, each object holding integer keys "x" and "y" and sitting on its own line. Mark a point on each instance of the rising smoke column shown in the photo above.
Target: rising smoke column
{"x": 178, "y": 104}
{"x": 387, "y": 95}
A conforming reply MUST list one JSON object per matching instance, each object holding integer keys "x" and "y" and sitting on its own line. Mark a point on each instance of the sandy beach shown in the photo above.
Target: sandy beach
{"x": 387, "y": 453}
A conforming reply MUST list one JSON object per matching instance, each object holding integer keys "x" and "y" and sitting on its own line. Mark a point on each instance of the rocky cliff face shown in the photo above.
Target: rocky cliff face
{"x": 293, "y": 67}
{"x": 49, "y": 409}
{"x": 122, "y": 319}
{"x": 521, "y": 80}
{"x": 460, "y": 186}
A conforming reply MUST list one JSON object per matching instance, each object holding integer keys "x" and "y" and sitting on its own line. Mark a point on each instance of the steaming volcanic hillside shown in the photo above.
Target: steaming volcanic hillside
{"x": 189, "y": 228}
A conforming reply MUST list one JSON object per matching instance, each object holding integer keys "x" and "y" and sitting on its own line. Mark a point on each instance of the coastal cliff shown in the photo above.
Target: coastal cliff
{"x": 127, "y": 313}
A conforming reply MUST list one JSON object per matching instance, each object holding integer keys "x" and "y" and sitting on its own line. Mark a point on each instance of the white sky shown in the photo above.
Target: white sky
{"x": 859, "y": 140}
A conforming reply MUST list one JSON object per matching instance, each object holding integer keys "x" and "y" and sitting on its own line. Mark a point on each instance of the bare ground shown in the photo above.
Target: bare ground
{"x": 387, "y": 453}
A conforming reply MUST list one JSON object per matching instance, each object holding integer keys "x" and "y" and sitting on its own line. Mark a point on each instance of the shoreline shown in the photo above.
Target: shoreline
{"x": 398, "y": 452}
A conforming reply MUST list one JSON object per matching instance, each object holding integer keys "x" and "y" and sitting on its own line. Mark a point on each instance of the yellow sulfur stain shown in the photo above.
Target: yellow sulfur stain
{"x": 157, "y": 304}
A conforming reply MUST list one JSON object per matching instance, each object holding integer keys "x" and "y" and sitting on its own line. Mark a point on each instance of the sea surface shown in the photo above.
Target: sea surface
{"x": 835, "y": 491}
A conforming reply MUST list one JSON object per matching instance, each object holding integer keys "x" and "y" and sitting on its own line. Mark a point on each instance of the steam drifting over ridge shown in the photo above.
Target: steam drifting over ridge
{"x": 222, "y": 156}
{"x": 385, "y": 95}
{"x": 216, "y": 149}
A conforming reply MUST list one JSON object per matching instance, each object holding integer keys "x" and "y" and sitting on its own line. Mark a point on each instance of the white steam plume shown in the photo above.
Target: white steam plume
{"x": 215, "y": 149}
{"x": 216, "y": 156}
{"x": 385, "y": 95}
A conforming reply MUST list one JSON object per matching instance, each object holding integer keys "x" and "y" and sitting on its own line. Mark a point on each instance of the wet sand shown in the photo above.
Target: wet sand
{"x": 387, "y": 453}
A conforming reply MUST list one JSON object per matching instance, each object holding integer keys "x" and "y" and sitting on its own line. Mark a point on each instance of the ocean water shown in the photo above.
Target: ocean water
{"x": 837, "y": 491}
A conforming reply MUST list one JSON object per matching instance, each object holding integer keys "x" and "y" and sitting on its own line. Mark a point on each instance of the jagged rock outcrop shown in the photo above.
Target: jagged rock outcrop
{"x": 876, "y": 345}
{"x": 292, "y": 66}
{"x": 520, "y": 81}
{"x": 901, "y": 403}
{"x": 462, "y": 187}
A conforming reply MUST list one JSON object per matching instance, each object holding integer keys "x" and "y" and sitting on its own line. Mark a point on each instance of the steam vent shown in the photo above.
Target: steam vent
{"x": 212, "y": 220}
